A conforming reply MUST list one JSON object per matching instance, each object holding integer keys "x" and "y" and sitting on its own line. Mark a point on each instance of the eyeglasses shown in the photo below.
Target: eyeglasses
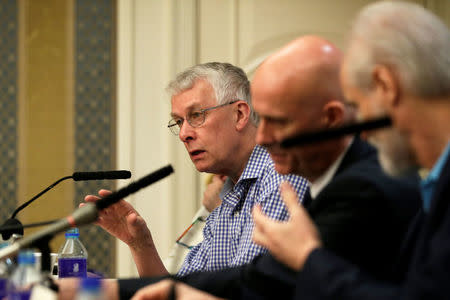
{"x": 179, "y": 242}
{"x": 194, "y": 118}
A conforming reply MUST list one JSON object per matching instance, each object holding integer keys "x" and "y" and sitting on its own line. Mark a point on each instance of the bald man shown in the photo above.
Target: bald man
{"x": 297, "y": 90}
{"x": 361, "y": 213}
{"x": 397, "y": 64}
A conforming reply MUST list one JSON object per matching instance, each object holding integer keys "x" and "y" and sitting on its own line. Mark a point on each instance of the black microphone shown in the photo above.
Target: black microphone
{"x": 86, "y": 214}
{"x": 10, "y": 227}
{"x": 134, "y": 187}
{"x": 331, "y": 133}
{"x": 122, "y": 174}
{"x": 76, "y": 176}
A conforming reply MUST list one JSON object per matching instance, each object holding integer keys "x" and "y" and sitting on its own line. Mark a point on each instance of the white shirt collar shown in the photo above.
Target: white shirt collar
{"x": 317, "y": 186}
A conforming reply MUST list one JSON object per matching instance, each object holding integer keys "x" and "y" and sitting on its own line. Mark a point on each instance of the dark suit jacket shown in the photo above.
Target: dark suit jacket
{"x": 428, "y": 276}
{"x": 362, "y": 215}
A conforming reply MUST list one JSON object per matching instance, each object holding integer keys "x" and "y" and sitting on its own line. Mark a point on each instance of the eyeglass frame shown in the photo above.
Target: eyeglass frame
{"x": 179, "y": 242}
{"x": 202, "y": 112}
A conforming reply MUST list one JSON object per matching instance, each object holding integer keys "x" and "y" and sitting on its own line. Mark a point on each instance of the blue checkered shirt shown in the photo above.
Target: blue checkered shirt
{"x": 228, "y": 230}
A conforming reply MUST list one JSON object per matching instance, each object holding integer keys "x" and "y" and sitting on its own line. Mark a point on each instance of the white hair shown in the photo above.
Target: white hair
{"x": 405, "y": 37}
{"x": 229, "y": 83}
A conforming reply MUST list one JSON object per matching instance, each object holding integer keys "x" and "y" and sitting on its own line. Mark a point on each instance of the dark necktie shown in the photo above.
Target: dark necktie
{"x": 307, "y": 198}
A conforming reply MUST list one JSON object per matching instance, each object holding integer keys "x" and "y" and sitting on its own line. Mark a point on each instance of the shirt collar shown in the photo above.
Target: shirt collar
{"x": 257, "y": 159}
{"x": 427, "y": 185}
{"x": 438, "y": 166}
{"x": 319, "y": 184}
{"x": 252, "y": 169}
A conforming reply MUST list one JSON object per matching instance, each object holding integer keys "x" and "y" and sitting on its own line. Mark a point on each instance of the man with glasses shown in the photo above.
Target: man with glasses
{"x": 212, "y": 116}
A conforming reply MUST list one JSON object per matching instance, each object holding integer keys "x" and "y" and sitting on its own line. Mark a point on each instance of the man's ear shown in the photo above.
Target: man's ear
{"x": 385, "y": 85}
{"x": 333, "y": 114}
{"x": 242, "y": 113}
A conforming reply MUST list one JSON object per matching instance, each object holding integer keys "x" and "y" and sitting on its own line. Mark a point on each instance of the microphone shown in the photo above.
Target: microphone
{"x": 86, "y": 214}
{"x": 76, "y": 176}
{"x": 331, "y": 133}
{"x": 122, "y": 174}
{"x": 134, "y": 187}
{"x": 10, "y": 227}
{"x": 13, "y": 226}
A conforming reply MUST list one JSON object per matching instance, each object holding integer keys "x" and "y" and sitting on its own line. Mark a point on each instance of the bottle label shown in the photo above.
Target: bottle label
{"x": 3, "y": 282}
{"x": 72, "y": 267}
{"x": 22, "y": 295}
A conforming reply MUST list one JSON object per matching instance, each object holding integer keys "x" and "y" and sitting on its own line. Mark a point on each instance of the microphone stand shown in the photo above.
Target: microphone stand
{"x": 76, "y": 176}
{"x": 42, "y": 245}
{"x": 44, "y": 248}
{"x": 16, "y": 227}
{"x": 83, "y": 215}
{"x": 13, "y": 225}
{"x": 38, "y": 195}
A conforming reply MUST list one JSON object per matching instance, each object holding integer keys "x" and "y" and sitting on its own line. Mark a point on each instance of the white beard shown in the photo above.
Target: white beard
{"x": 394, "y": 153}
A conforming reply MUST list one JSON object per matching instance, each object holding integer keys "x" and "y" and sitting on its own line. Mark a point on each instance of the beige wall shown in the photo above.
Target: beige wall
{"x": 45, "y": 108}
{"x": 440, "y": 8}
{"x": 156, "y": 39}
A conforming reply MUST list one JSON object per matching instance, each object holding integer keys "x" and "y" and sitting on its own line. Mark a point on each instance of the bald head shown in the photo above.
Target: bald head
{"x": 297, "y": 90}
{"x": 307, "y": 66}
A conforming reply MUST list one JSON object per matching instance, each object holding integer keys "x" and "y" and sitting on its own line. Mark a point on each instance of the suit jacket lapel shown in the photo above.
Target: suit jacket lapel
{"x": 439, "y": 201}
{"x": 358, "y": 150}
{"x": 433, "y": 219}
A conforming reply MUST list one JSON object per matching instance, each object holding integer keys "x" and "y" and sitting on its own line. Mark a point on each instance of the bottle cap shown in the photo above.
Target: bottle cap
{"x": 73, "y": 232}
{"x": 26, "y": 257}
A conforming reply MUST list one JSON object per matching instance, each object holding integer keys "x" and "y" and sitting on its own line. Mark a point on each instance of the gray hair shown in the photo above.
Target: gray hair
{"x": 229, "y": 83}
{"x": 408, "y": 39}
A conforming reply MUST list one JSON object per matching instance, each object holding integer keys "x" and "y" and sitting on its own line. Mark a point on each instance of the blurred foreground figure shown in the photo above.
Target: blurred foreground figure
{"x": 397, "y": 64}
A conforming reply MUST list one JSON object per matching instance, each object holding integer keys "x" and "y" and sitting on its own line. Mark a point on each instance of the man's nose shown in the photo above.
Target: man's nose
{"x": 264, "y": 134}
{"x": 187, "y": 132}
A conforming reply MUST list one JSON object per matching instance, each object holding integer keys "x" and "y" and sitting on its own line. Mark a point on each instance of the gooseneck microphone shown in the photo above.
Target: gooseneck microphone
{"x": 78, "y": 176}
{"x": 102, "y": 175}
{"x": 13, "y": 225}
{"x": 134, "y": 187}
{"x": 86, "y": 214}
{"x": 331, "y": 133}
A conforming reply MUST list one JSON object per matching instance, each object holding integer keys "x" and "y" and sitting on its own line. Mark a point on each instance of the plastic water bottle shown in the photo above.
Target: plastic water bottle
{"x": 90, "y": 289}
{"x": 6, "y": 267}
{"x": 24, "y": 277}
{"x": 72, "y": 256}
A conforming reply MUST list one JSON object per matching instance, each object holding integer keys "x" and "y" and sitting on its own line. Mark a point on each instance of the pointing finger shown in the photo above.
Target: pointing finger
{"x": 290, "y": 198}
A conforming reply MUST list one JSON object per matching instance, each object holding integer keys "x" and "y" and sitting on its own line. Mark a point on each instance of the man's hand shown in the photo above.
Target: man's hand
{"x": 162, "y": 290}
{"x": 289, "y": 242}
{"x": 211, "y": 195}
{"x": 123, "y": 222}
{"x": 68, "y": 288}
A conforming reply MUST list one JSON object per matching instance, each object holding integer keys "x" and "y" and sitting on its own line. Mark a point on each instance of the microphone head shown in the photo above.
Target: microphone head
{"x": 10, "y": 227}
{"x": 101, "y": 175}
